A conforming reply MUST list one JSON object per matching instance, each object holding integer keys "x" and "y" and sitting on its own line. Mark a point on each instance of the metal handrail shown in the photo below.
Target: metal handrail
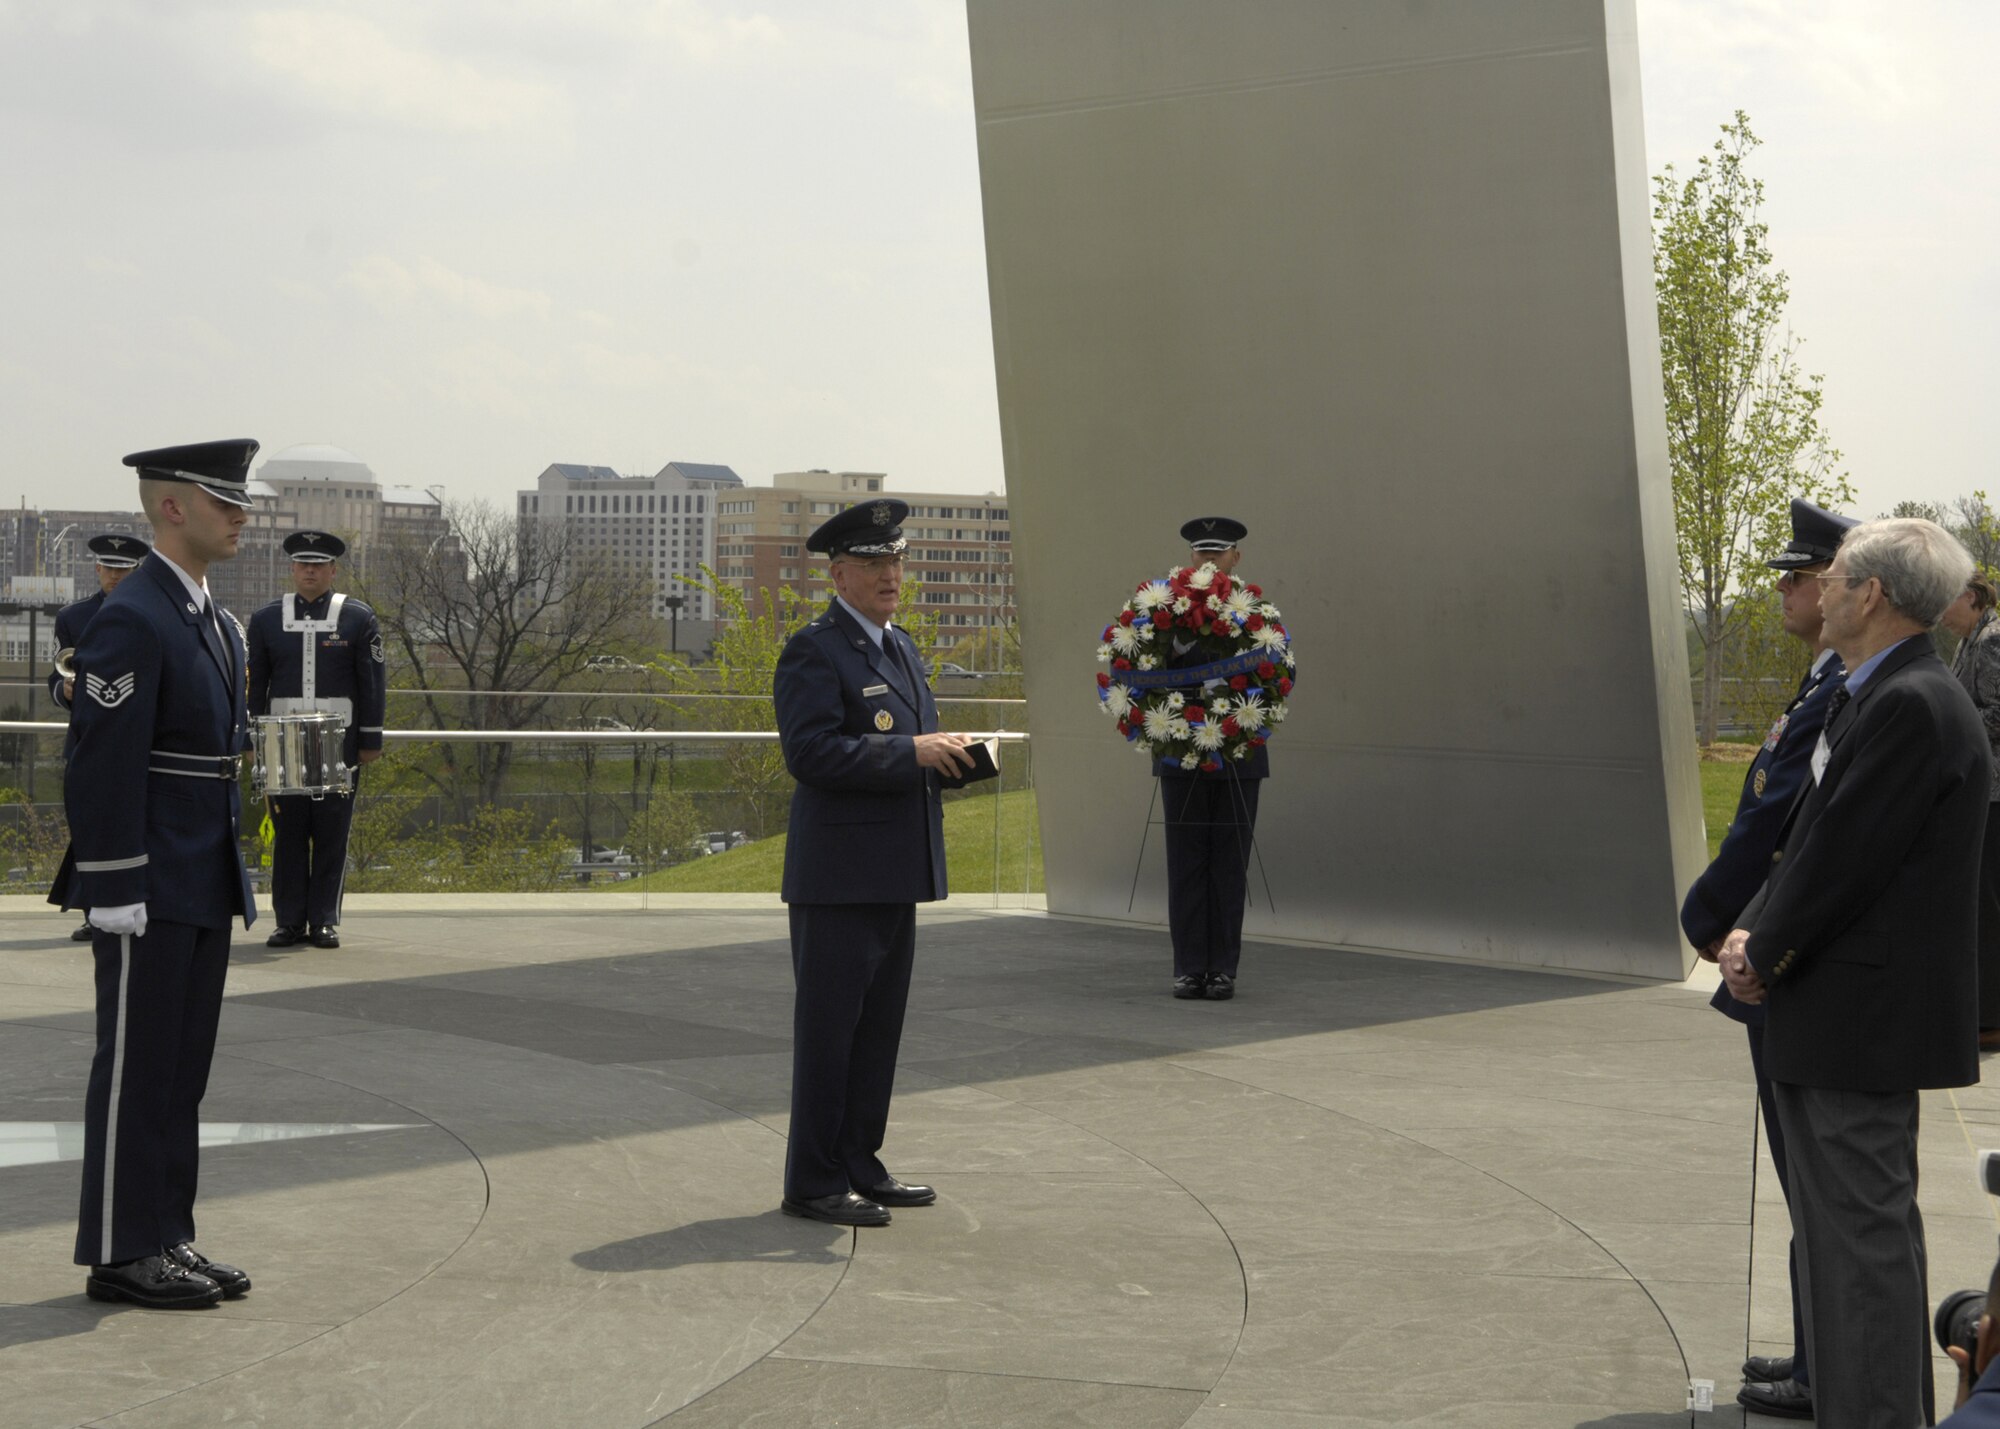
{"x": 560, "y": 736}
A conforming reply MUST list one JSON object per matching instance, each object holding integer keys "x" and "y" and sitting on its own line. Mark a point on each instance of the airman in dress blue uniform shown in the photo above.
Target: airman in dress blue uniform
{"x": 117, "y": 557}
{"x": 150, "y": 790}
{"x": 316, "y": 650}
{"x": 859, "y": 731}
{"x": 1211, "y": 820}
{"x": 1776, "y": 1385}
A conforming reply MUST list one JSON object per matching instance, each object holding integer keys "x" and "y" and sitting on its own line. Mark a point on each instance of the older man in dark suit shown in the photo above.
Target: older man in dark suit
{"x": 866, "y": 845}
{"x": 1862, "y": 945}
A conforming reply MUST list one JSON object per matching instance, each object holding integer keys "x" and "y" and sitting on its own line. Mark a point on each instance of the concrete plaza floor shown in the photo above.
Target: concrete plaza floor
{"x": 1370, "y": 1191}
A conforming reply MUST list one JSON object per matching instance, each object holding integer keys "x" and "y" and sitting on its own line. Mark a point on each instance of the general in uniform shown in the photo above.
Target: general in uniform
{"x": 1777, "y": 1385}
{"x": 316, "y": 650}
{"x": 859, "y": 731}
{"x": 1211, "y": 820}
{"x": 117, "y": 557}
{"x": 150, "y": 790}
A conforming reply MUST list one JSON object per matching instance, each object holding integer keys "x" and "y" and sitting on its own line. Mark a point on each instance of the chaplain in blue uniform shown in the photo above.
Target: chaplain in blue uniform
{"x": 860, "y": 735}
{"x": 117, "y": 557}
{"x": 150, "y": 790}
{"x": 316, "y": 650}
{"x": 1211, "y": 820}
{"x": 1778, "y": 1385}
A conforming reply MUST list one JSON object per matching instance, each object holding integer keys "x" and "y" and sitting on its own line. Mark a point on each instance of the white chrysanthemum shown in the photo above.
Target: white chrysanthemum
{"x": 1117, "y": 700}
{"x": 1181, "y": 605}
{"x": 1241, "y": 603}
{"x": 1124, "y": 641}
{"x": 1176, "y": 700}
{"x": 1275, "y": 714}
{"x": 1208, "y": 735}
{"x": 1242, "y": 752}
{"x": 1148, "y": 662}
{"x": 1213, "y": 602}
{"x": 1218, "y": 708}
{"x": 1159, "y": 724}
{"x": 1104, "y": 653}
{"x": 1182, "y": 729}
{"x": 1190, "y": 761}
{"x": 1151, "y": 596}
{"x": 1269, "y": 638}
{"x": 1250, "y": 712}
{"x": 1203, "y": 577}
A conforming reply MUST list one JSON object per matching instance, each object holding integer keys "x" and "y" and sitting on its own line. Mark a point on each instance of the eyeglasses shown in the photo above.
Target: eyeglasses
{"x": 1824, "y": 576}
{"x": 1793, "y": 579}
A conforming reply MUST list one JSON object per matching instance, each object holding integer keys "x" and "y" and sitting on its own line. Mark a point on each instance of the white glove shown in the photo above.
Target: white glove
{"x": 125, "y": 918}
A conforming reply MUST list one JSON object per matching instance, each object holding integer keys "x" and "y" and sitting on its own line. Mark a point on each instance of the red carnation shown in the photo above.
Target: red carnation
{"x": 1257, "y": 739}
{"x": 1239, "y": 682}
{"x": 1256, "y": 591}
{"x": 1254, "y": 624}
{"x": 1107, "y": 633}
{"x": 1195, "y": 714}
{"x": 1284, "y": 686}
{"x": 1230, "y": 727}
{"x": 1121, "y": 663}
{"x": 1103, "y": 681}
{"x": 1210, "y": 765}
{"x": 1265, "y": 670}
{"x": 1124, "y": 617}
{"x": 1221, "y": 629}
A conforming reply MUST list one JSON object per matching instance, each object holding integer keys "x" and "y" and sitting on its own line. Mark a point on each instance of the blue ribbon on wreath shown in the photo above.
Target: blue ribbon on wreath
{"x": 1187, "y": 676}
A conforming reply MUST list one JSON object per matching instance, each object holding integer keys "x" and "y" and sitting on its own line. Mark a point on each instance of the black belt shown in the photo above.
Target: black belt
{"x": 197, "y": 766}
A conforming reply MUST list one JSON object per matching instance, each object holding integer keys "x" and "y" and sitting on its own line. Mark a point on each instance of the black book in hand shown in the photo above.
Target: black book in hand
{"x": 985, "y": 756}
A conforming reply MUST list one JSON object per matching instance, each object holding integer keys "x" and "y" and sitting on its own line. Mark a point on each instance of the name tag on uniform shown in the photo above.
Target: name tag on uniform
{"x": 875, "y": 690}
{"x": 1821, "y": 753}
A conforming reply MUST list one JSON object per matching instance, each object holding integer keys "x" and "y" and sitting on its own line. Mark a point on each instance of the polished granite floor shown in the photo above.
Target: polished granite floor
{"x": 519, "y": 1165}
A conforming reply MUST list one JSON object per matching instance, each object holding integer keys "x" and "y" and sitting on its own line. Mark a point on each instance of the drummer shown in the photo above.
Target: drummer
{"x": 316, "y": 651}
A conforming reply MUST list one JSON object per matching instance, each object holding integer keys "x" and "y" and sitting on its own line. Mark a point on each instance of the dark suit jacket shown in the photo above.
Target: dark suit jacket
{"x": 1782, "y": 768}
{"x": 1982, "y": 1411}
{"x": 154, "y": 693}
{"x": 867, "y": 821}
{"x": 71, "y": 622}
{"x": 1864, "y": 933}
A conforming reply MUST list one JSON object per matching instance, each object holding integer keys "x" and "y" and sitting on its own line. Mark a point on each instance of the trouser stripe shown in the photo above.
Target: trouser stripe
{"x": 117, "y": 1085}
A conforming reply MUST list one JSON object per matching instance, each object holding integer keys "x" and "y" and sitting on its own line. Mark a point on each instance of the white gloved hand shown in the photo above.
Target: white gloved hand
{"x": 125, "y": 918}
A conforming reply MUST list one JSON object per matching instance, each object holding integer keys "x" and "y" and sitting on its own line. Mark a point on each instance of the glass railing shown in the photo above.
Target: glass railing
{"x": 668, "y": 810}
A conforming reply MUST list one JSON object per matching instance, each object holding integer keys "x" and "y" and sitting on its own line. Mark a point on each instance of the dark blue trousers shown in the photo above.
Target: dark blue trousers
{"x": 1209, "y": 827}
{"x": 1774, "y": 1137}
{"x": 159, "y": 999}
{"x": 309, "y": 857}
{"x": 851, "y": 964}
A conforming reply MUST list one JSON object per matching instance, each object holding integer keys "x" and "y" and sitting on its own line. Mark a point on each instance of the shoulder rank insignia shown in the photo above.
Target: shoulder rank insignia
{"x": 1757, "y": 783}
{"x": 110, "y": 693}
{"x": 884, "y": 721}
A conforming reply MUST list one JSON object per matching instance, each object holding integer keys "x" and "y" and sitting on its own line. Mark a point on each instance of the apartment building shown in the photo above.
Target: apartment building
{"x": 960, "y": 547}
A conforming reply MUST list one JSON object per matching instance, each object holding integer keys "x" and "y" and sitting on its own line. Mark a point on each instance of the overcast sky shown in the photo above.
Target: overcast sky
{"x": 464, "y": 240}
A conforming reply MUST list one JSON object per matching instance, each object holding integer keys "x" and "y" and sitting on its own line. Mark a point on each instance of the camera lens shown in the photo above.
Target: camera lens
{"x": 1958, "y": 1319}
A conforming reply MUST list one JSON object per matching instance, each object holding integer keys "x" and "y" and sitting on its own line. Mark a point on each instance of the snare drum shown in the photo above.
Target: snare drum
{"x": 300, "y": 754}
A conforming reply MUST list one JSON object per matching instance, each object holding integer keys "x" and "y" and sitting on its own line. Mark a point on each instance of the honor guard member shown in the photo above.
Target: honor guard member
{"x": 316, "y": 650}
{"x": 1779, "y": 1385}
{"x": 117, "y": 557}
{"x": 1210, "y": 821}
{"x": 860, "y": 735}
{"x": 150, "y": 791}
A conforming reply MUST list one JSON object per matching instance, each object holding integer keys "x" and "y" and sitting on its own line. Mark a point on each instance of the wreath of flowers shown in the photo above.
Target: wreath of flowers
{"x": 1198, "y": 669}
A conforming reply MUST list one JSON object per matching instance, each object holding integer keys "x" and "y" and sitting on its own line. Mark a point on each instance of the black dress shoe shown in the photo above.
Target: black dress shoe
{"x": 894, "y": 1193}
{"x": 325, "y": 938}
{"x": 1221, "y": 987}
{"x": 1784, "y": 1398}
{"x": 158, "y": 1282}
{"x": 843, "y": 1209}
{"x": 285, "y": 937}
{"x": 1769, "y": 1369}
{"x": 233, "y": 1281}
{"x": 83, "y": 934}
{"x": 1187, "y": 985}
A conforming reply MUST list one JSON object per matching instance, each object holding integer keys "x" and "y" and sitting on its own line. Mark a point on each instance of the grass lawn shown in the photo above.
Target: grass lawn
{"x": 1721, "y": 786}
{"x": 968, "y": 849}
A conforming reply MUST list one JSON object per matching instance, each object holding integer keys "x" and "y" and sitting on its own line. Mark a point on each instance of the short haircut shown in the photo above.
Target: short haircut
{"x": 1921, "y": 565}
{"x": 1984, "y": 595}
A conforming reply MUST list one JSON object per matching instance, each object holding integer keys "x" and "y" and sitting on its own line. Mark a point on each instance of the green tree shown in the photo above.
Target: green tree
{"x": 1743, "y": 425}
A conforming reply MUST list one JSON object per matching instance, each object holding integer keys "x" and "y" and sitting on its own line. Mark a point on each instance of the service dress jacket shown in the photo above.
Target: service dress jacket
{"x": 1864, "y": 933}
{"x": 150, "y": 788}
{"x": 324, "y": 655}
{"x": 71, "y": 622}
{"x": 867, "y": 821}
{"x": 1771, "y": 786}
